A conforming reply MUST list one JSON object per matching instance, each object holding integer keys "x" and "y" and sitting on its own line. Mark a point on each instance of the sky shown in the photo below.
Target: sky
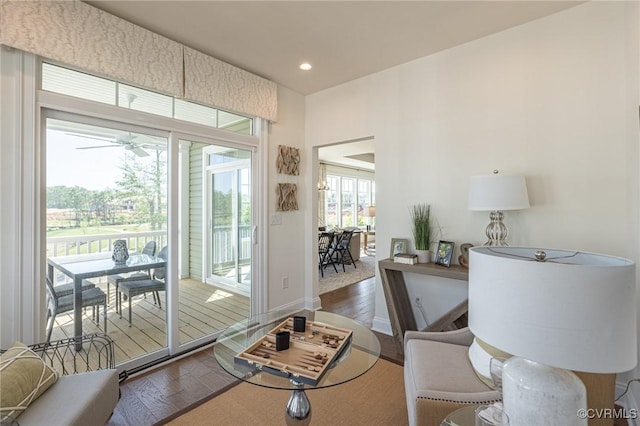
{"x": 95, "y": 169}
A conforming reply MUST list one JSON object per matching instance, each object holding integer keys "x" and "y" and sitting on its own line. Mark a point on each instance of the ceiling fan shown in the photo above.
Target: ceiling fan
{"x": 126, "y": 141}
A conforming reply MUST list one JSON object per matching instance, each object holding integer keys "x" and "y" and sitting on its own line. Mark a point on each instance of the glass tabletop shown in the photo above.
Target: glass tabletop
{"x": 99, "y": 264}
{"x": 358, "y": 356}
{"x": 465, "y": 416}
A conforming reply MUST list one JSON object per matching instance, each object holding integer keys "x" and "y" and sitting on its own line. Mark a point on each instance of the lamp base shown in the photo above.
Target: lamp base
{"x": 536, "y": 394}
{"x": 496, "y": 231}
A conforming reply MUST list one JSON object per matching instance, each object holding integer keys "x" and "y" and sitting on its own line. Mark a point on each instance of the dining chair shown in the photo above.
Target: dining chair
{"x": 132, "y": 288}
{"x": 343, "y": 253}
{"x": 325, "y": 251}
{"x": 149, "y": 249}
{"x": 93, "y": 297}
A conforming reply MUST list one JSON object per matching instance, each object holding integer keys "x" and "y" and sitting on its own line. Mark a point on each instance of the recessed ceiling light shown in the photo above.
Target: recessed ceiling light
{"x": 305, "y": 66}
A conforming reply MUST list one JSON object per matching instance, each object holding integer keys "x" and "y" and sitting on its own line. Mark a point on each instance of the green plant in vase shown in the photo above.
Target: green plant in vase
{"x": 421, "y": 230}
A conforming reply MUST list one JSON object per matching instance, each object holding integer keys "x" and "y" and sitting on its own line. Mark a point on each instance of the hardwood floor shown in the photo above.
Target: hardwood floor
{"x": 152, "y": 397}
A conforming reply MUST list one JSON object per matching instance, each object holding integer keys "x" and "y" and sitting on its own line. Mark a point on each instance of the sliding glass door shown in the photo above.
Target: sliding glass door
{"x": 215, "y": 209}
{"x": 229, "y": 217}
{"x": 106, "y": 181}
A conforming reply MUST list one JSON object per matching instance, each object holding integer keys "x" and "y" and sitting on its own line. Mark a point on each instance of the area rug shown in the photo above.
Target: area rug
{"x": 375, "y": 398}
{"x": 365, "y": 268}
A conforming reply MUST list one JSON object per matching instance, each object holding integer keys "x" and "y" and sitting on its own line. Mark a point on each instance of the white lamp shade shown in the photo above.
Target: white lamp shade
{"x": 369, "y": 211}
{"x": 575, "y": 310}
{"x": 498, "y": 192}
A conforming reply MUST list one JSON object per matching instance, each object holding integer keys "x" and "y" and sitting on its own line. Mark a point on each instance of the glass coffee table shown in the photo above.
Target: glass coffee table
{"x": 357, "y": 357}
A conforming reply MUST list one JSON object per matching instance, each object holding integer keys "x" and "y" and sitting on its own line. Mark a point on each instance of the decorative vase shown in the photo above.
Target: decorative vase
{"x": 424, "y": 256}
{"x": 120, "y": 251}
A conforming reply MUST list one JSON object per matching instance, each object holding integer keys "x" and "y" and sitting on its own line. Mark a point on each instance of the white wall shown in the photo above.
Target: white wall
{"x": 10, "y": 160}
{"x": 555, "y": 99}
{"x": 287, "y": 249}
{"x": 20, "y": 304}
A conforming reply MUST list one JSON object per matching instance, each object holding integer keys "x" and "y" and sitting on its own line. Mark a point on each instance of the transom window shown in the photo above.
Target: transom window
{"x": 86, "y": 86}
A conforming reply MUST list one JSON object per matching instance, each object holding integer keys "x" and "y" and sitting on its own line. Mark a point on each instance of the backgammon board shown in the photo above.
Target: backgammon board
{"x": 308, "y": 357}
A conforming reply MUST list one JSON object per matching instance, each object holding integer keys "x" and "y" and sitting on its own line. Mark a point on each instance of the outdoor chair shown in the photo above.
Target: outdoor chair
{"x": 342, "y": 251}
{"x": 67, "y": 289}
{"x": 325, "y": 251}
{"x": 154, "y": 285}
{"x": 149, "y": 249}
{"x": 93, "y": 297}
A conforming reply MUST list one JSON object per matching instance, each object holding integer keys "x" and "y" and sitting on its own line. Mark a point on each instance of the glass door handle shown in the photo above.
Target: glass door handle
{"x": 254, "y": 235}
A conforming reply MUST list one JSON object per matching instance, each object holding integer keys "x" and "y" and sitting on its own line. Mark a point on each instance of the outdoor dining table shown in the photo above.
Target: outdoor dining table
{"x": 83, "y": 266}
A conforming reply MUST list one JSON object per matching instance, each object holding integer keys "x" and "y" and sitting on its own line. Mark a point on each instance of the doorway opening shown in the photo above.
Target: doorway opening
{"x": 346, "y": 202}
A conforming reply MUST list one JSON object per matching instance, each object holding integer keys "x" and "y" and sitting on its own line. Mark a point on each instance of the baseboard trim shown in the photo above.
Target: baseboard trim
{"x": 295, "y": 305}
{"x": 314, "y": 304}
{"x": 382, "y": 325}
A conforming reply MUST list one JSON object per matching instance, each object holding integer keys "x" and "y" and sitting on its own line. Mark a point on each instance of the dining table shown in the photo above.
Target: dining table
{"x": 83, "y": 266}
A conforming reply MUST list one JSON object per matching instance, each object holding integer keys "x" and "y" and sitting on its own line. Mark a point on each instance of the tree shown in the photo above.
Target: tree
{"x": 101, "y": 203}
{"x": 143, "y": 181}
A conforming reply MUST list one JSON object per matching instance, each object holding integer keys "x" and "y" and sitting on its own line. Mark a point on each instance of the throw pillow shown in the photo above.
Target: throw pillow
{"x": 23, "y": 377}
{"x": 480, "y": 354}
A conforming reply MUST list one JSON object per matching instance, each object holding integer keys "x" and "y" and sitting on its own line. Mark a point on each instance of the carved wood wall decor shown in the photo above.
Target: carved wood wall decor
{"x": 288, "y": 160}
{"x": 286, "y": 197}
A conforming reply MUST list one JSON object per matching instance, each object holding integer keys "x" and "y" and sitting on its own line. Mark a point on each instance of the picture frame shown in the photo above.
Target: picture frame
{"x": 398, "y": 246}
{"x": 444, "y": 253}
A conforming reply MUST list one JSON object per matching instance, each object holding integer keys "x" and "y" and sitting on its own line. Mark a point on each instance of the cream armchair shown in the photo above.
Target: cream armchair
{"x": 439, "y": 379}
{"x": 438, "y": 376}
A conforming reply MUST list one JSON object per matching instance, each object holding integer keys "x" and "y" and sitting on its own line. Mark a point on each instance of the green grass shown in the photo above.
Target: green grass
{"x": 98, "y": 230}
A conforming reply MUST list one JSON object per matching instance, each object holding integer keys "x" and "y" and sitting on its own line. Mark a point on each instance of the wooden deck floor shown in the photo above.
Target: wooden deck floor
{"x": 203, "y": 309}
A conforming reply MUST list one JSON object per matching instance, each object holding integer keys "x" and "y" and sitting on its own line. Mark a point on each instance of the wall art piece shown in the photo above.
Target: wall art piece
{"x": 288, "y": 161}
{"x": 286, "y": 200}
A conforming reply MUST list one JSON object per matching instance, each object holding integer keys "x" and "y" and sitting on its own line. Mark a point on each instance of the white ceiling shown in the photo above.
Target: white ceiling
{"x": 359, "y": 154}
{"x": 343, "y": 40}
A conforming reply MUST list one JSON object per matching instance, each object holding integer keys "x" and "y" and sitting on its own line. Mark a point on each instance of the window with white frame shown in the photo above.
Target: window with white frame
{"x": 82, "y": 85}
{"x": 350, "y": 195}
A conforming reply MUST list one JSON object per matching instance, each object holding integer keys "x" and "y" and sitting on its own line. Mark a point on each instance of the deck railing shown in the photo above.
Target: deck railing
{"x": 86, "y": 244}
{"x": 223, "y": 249}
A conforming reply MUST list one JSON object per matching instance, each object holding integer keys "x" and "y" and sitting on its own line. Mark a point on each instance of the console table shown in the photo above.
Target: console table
{"x": 397, "y": 297}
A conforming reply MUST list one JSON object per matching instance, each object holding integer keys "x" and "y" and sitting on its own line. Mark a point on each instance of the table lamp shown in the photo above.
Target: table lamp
{"x": 496, "y": 193}
{"x": 554, "y": 310}
{"x": 370, "y": 212}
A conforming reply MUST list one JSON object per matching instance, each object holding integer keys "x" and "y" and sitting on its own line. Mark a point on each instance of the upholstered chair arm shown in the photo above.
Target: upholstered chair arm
{"x": 462, "y": 337}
